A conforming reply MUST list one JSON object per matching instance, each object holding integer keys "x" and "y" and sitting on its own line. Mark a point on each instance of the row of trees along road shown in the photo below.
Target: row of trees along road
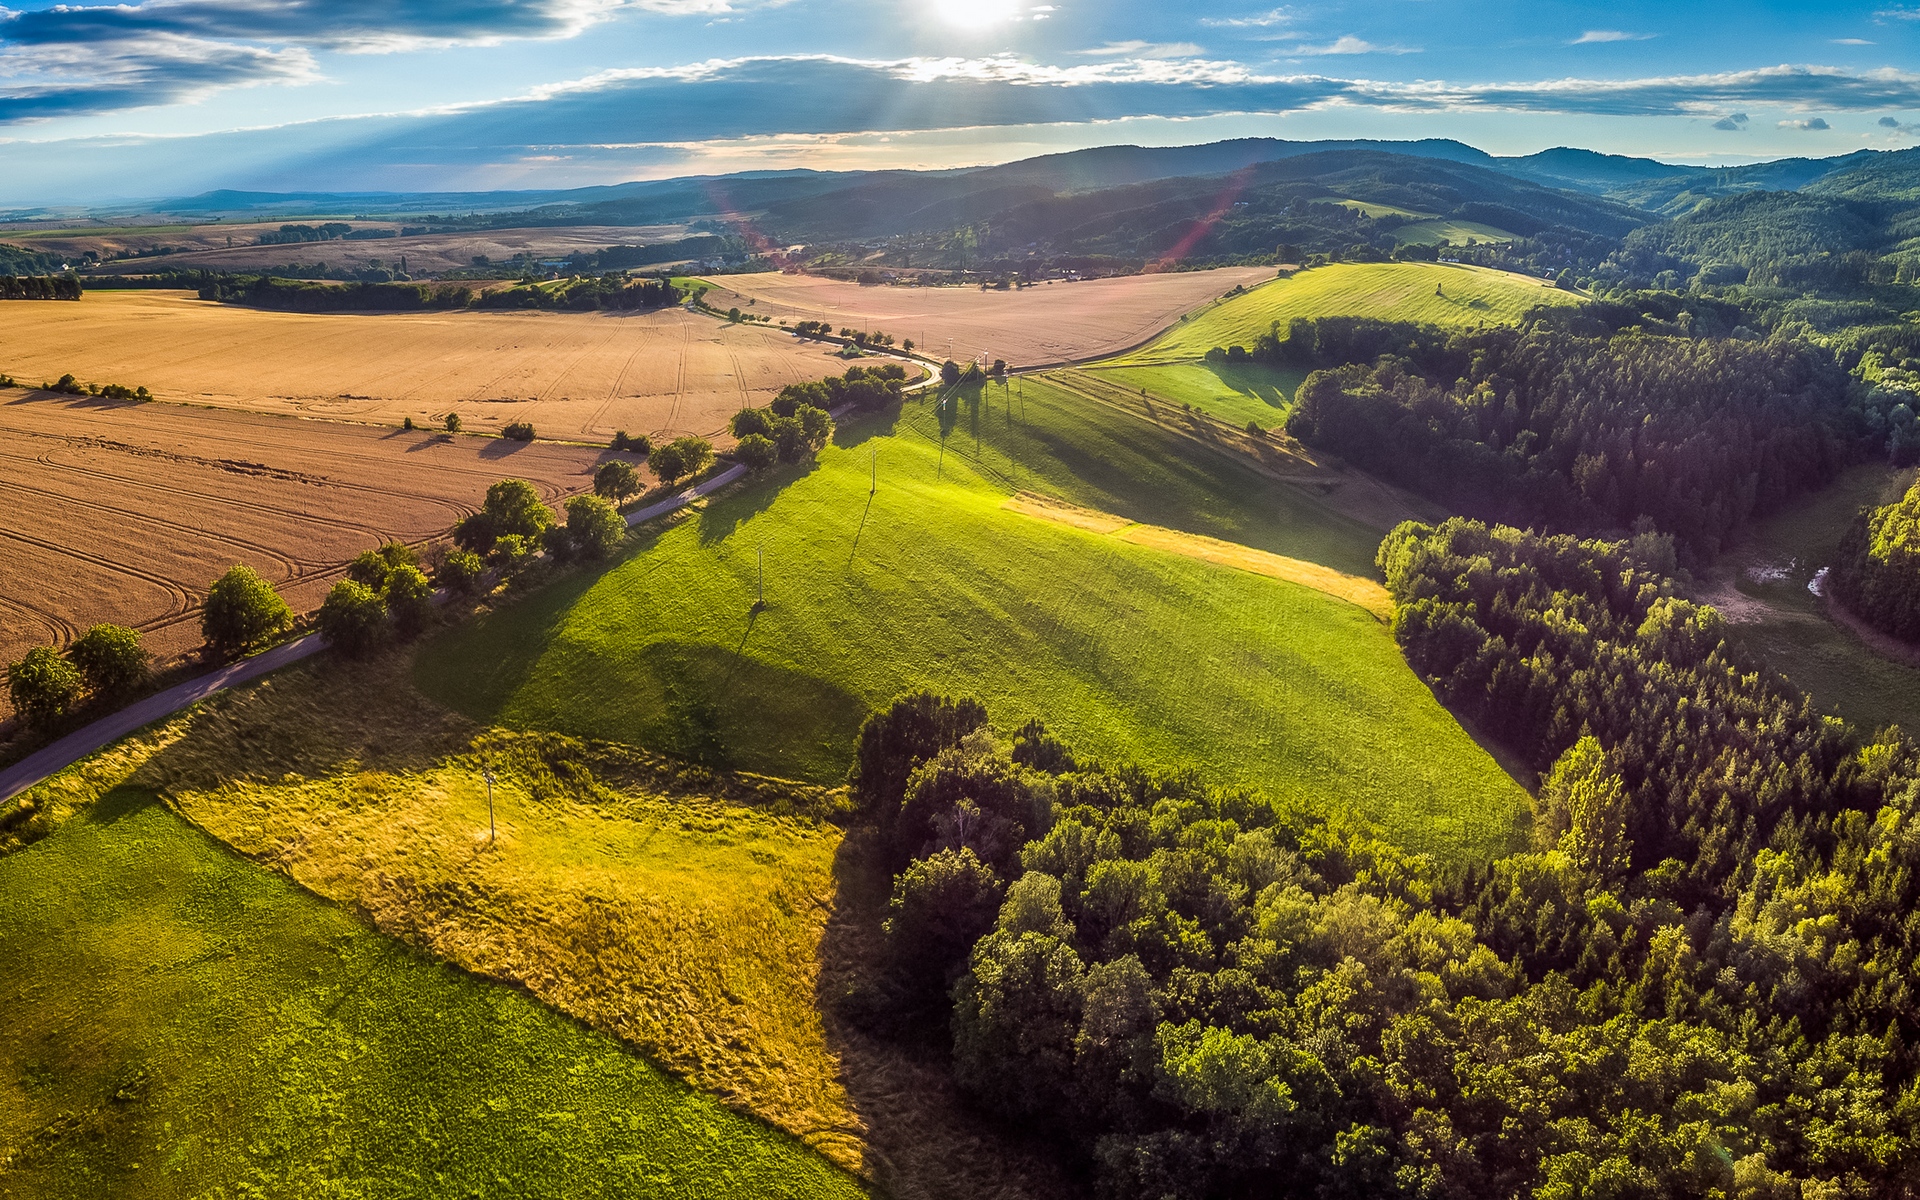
{"x": 1701, "y": 979}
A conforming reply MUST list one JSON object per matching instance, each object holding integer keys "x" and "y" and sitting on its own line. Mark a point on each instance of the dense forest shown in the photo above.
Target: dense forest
{"x": 1698, "y": 982}
{"x": 1876, "y": 569}
{"x": 1693, "y": 435}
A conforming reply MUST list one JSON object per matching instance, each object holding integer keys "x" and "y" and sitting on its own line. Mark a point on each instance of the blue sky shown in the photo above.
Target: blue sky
{"x": 164, "y": 97}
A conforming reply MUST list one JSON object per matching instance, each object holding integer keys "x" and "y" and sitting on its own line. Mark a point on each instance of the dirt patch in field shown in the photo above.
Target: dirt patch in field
{"x": 126, "y": 512}
{"x": 1365, "y": 593}
{"x": 572, "y": 375}
{"x": 1046, "y": 323}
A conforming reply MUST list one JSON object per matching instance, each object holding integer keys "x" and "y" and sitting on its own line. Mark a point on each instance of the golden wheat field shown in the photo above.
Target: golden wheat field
{"x": 125, "y": 512}
{"x": 572, "y": 375}
{"x": 1033, "y": 326}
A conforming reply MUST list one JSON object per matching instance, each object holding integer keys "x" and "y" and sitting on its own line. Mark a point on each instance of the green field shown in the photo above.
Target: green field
{"x": 181, "y": 1022}
{"x": 930, "y": 583}
{"x": 1465, "y": 296}
{"x": 1235, "y": 392}
{"x": 1784, "y": 623}
{"x": 1370, "y": 209}
{"x": 1445, "y": 231}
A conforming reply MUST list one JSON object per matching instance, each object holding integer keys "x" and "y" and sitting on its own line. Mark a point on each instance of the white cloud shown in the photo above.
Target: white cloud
{"x": 1853, "y": 42}
{"x": 1352, "y": 45}
{"x": 1265, "y": 20}
{"x": 1608, "y": 35}
{"x": 1138, "y": 49}
{"x": 1815, "y": 125}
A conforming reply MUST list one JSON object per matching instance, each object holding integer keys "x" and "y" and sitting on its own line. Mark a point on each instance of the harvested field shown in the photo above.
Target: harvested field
{"x": 230, "y": 247}
{"x": 573, "y": 375}
{"x": 1046, "y": 323}
{"x": 126, "y": 512}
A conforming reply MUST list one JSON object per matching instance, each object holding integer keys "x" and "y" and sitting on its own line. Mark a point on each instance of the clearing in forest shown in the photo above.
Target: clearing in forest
{"x": 1426, "y": 293}
{"x": 1129, "y": 652}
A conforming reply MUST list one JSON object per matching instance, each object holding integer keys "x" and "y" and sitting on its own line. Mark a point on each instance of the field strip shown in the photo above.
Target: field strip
{"x": 1363, "y": 593}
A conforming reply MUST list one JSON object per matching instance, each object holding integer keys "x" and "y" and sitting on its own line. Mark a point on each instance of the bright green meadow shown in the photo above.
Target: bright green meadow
{"x": 1235, "y": 392}
{"x": 181, "y": 1022}
{"x": 1129, "y": 653}
{"x": 1427, "y": 293}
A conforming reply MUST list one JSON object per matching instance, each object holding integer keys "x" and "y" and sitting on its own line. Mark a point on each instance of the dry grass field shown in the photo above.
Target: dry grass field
{"x": 1046, "y": 323}
{"x": 573, "y": 375}
{"x": 233, "y": 247}
{"x": 126, "y": 512}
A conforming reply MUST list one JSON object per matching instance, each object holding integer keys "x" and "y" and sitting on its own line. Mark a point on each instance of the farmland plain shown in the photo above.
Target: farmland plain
{"x": 1429, "y": 293}
{"x": 930, "y": 582}
{"x": 572, "y": 375}
{"x": 183, "y": 1022}
{"x": 1043, "y": 324}
{"x": 125, "y": 512}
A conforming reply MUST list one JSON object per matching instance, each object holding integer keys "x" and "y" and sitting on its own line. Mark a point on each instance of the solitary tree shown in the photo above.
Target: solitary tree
{"x": 43, "y": 686}
{"x": 353, "y": 619}
{"x": 594, "y": 528}
{"x": 453, "y": 422}
{"x": 242, "y": 610}
{"x": 111, "y": 659}
{"x": 616, "y": 480}
{"x": 409, "y": 601}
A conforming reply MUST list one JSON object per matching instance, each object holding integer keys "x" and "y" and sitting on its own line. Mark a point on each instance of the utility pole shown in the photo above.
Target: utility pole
{"x": 487, "y": 770}
{"x": 762, "y": 601}
{"x": 873, "y": 482}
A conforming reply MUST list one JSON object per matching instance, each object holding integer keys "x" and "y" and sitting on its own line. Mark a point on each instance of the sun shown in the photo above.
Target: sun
{"x": 976, "y": 14}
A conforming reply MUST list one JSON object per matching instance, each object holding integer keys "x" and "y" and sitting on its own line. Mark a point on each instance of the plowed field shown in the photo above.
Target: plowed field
{"x": 573, "y": 375}
{"x": 125, "y": 513}
{"x": 1046, "y": 323}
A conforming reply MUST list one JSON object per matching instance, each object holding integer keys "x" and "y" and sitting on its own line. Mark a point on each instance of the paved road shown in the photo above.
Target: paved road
{"x": 687, "y": 497}
{"x": 108, "y": 730}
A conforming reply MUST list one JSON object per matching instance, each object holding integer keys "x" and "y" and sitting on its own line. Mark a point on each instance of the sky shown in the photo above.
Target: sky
{"x": 151, "y": 98}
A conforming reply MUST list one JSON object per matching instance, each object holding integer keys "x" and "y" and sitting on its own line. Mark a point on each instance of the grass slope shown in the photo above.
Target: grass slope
{"x": 1448, "y": 232}
{"x": 181, "y": 1022}
{"x": 1129, "y": 652}
{"x": 1385, "y": 291}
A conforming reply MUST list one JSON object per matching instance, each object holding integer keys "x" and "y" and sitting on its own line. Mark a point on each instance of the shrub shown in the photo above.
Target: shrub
{"x": 371, "y": 568}
{"x": 642, "y": 445}
{"x": 353, "y": 619}
{"x": 616, "y": 480}
{"x": 409, "y": 600}
{"x": 558, "y": 544}
{"x": 941, "y": 906}
{"x": 111, "y": 659}
{"x": 511, "y": 551}
{"x": 241, "y": 611}
{"x": 460, "y": 571}
{"x": 43, "y": 686}
{"x": 757, "y": 451}
{"x": 518, "y": 431}
{"x": 407, "y": 424}
{"x": 696, "y": 454}
{"x": 594, "y": 528}
{"x": 453, "y": 422}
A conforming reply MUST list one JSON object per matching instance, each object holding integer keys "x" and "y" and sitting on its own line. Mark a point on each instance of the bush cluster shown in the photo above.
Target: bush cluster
{"x": 105, "y": 664}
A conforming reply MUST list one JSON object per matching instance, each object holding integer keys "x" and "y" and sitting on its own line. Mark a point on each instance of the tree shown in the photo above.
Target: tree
{"x": 460, "y": 571}
{"x": 514, "y": 509}
{"x": 941, "y": 906}
{"x": 44, "y": 687}
{"x": 616, "y": 480}
{"x": 757, "y": 451}
{"x": 594, "y": 527}
{"x": 353, "y": 619}
{"x": 1582, "y": 810}
{"x": 453, "y": 422}
{"x": 642, "y": 445}
{"x": 111, "y": 659}
{"x": 241, "y": 611}
{"x": 913, "y": 729}
{"x": 371, "y": 567}
{"x": 750, "y": 420}
{"x": 696, "y": 454}
{"x": 409, "y": 600}
{"x": 950, "y": 372}
{"x": 668, "y": 464}
{"x": 518, "y": 431}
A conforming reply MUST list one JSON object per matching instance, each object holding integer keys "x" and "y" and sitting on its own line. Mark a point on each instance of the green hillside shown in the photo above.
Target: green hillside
{"x": 180, "y": 1022}
{"x": 1448, "y": 232}
{"x": 1429, "y": 293}
{"x": 1235, "y": 392}
{"x": 931, "y": 583}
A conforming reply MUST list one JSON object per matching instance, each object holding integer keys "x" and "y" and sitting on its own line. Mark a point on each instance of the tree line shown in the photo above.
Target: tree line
{"x": 1876, "y": 568}
{"x": 1698, "y": 980}
{"x": 39, "y": 287}
{"x": 614, "y": 292}
{"x": 1577, "y": 429}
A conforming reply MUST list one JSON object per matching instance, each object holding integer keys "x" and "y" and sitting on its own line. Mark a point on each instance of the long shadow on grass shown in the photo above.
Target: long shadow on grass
{"x": 862, "y": 427}
{"x": 727, "y": 512}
